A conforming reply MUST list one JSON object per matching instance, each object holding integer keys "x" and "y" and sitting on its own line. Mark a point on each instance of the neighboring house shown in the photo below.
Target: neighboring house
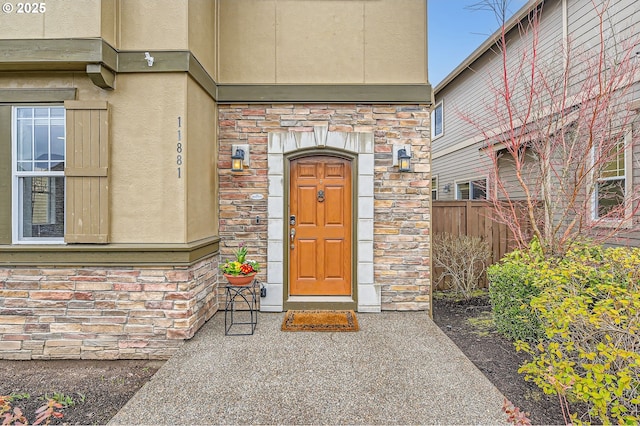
{"x": 460, "y": 166}
{"x": 117, "y": 255}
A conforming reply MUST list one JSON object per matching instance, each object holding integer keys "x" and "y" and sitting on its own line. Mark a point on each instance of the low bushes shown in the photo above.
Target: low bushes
{"x": 587, "y": 304}
{"x": 512, "y": 285}
{"x": 463, "y": 260}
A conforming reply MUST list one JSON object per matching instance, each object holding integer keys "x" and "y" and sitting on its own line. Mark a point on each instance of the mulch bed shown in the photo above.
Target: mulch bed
{"x": 98, "y": 389}
{"x": 468, "y": 325}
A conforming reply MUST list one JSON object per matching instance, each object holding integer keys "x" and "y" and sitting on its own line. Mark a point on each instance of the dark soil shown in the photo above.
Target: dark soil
{"x": 98, "y": 389}
{"x": 469, "y": 325}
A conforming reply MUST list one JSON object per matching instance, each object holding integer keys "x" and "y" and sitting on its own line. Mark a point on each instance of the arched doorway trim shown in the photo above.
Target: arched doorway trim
{"x": 279, "y": 146}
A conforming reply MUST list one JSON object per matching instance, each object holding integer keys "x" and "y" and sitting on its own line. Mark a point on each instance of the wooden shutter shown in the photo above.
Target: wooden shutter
{"x": 86, "y": 172}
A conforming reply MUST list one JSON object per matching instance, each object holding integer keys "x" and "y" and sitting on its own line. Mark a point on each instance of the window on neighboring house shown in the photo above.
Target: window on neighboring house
{"x": 434, "y": 188}
{"x": 38, "y": 173}
{"x": 611, "y": 185}
{"x": 437, "y": 121}
{"x": 472, "y": 190}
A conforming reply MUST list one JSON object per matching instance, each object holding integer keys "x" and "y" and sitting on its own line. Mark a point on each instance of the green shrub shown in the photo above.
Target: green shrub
{"x": 512, "y": 285}
{"x": 589, "y": 307}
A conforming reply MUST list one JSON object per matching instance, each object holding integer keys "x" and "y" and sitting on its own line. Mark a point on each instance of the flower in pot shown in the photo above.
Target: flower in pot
{"x": 241, "y": 270}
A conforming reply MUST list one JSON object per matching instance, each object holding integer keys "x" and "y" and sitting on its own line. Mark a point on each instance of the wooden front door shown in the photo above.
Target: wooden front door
{"x": 320, "y": 227}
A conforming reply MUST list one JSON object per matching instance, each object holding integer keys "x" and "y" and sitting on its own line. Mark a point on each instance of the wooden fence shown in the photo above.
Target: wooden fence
{"x": 472, "y": 218}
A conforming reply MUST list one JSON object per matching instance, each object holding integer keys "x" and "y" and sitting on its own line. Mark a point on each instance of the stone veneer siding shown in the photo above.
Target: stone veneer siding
{"x": 103, "y": 312}
{"x": 402, "y": 201}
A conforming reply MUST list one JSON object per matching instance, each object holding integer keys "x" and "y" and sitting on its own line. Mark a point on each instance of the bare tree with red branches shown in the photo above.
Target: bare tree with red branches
{"x": 557, "y": 132}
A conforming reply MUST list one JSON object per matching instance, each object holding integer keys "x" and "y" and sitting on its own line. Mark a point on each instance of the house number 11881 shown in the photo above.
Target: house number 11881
{"x": 179, "y": 148}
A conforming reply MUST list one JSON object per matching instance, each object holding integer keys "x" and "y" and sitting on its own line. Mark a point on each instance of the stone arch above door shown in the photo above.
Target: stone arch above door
{"x": 281, "y": 144}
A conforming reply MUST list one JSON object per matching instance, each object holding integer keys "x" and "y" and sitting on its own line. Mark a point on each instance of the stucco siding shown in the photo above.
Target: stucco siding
{"x": 203, "y": 33}
{"x": 199, "y": 155}
{"x": 59, "y": 19}
{"x": 154, "y": 24}
{"x": 247, "y": 37}
{"x": 145, "y": 114}
{"x": 314, "y": 41}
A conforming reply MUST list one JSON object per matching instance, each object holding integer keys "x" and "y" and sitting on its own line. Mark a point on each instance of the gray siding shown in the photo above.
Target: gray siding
{"x": 469, "y": 96}
{"x": 619, "y": 21}
{"x": 465, "y": 164}
{"x": 507, "y": 172}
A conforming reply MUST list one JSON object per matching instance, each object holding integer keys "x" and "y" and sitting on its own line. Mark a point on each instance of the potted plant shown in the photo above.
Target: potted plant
{"x": 240, "y": 271}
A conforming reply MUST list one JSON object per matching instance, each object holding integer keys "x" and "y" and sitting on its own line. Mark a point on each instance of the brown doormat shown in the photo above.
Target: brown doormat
{"x": 320, "y": 321}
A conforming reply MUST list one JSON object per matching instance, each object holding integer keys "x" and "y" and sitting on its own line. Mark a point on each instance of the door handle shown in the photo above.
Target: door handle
{"x": 292, "y": 235}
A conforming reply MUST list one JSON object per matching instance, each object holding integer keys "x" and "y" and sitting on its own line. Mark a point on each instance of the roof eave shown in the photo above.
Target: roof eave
{"x": 488, "y": 43}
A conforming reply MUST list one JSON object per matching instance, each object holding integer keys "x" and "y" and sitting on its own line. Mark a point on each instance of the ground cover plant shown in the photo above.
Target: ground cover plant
{"x": 512, "y": 286}
{"x": 12, "y": 415}
{"x": 585, "y": 312}
{"x": 590, "y": 311}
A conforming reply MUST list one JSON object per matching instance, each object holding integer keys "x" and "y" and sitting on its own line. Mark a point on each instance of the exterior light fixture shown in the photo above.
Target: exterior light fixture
{"x": 149, "y": 58}
{"x": 404, "y": 161}
{"x": 447, "y": 188}
{"x": 237, "y": 160}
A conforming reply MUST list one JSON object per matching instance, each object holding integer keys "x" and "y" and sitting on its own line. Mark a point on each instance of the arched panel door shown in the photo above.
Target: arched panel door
{"x": 320, "y": 239}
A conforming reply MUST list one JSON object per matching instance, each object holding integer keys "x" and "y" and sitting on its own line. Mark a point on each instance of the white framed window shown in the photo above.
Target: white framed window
{"x": 472, "y": 189}
{"x": 437, "y": 120}
{"x": 612, "y": 185}
{"x": 38, "y": 160}
{"x": 434, "y": 188}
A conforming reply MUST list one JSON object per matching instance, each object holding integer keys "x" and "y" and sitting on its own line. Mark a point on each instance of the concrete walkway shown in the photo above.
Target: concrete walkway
{"x": 398, "y": 369}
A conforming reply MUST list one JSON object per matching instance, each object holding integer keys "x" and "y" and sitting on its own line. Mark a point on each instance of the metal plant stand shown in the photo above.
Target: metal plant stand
{"x": 241, "y": 301}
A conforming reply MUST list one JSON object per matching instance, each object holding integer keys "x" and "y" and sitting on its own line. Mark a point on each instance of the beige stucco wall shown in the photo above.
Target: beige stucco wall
{"x": 61, "y": 19}
{"x": 396, "y": 41}
{"x": 203, "y": 33}
{"x": 317, "y": 42}
{"x": 110, "y": 21}
{"x": 154, "y": 24}
{"x": 200, "y": 151}
{"x": 323, "y": 41}
{"x": 247, "y": 38}
{"x": 147, "y": 197}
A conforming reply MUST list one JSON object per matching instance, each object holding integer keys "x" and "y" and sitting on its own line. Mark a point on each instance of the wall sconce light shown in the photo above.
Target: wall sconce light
{"x": 447, "y": 188}
{"x": 237, "y": 160}
{"x": 404, "y": 161}
{"x": 401, "y": 157}
{"x": 239, "y": 157}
